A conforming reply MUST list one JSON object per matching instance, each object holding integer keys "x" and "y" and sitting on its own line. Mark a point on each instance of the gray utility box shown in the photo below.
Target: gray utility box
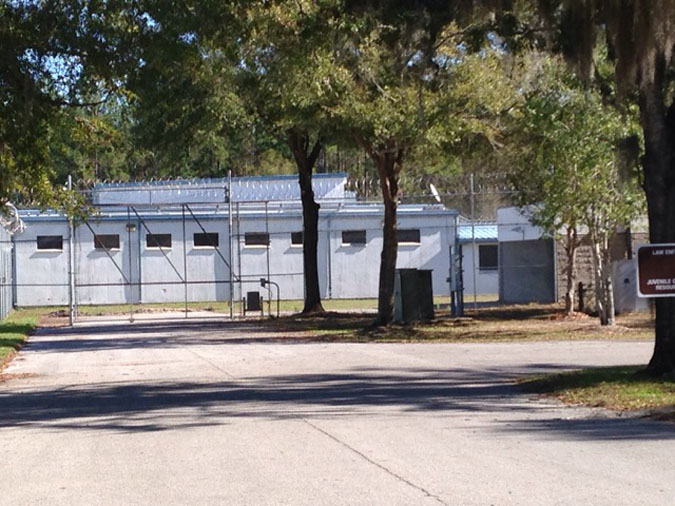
{"x": 413, "y": 295}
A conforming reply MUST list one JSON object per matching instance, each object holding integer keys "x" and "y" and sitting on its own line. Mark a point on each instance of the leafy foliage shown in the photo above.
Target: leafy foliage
{"x": 568, "y": 161}
{"x": 55, "y": 55}
{"x": 567, "y": 152}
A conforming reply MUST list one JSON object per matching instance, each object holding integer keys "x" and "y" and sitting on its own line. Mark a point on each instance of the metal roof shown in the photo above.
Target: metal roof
{"x": 480, "y": 232}
{"x": 272, "y": 210}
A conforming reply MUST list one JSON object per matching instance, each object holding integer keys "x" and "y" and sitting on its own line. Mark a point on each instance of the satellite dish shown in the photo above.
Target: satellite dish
{"x": 435, "y": 193}
{"x": 10, "y": 220}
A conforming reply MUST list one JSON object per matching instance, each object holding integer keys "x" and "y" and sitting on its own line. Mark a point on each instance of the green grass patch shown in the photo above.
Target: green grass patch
{"x": 294, "y": 306}
{"x": 14, "y": 330}
{"x": 619, "y": 388}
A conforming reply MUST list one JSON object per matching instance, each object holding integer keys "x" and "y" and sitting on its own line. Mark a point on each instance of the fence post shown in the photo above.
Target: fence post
{"x": 71, "y": 263}
{"x": 476, "y": 256}
{"x": 185, "y": 271}
{"x": 229, "y": 235}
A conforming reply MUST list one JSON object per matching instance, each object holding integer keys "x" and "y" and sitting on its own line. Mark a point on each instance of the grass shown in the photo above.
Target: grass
{"x": 618, "y": 388}
{"x": 286, "y": 306}
{"x": 14, "y": 330}
{"x": 513, "y": 323}
{"x": 293, "y": 306}
{"x": 531, "y": 322}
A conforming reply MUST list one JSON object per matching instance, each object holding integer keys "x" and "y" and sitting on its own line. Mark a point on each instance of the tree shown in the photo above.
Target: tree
{"x": 410, "y": 82}
{"x": 56, "y": 55}
{"x": 252, "y": 79}
{"x": 566, "y": 160}
{"x": 185, "y": 107}
{"x": 95, "y": 143}
{"x": 641, "y": 37}
{"x": 286, "y": 81}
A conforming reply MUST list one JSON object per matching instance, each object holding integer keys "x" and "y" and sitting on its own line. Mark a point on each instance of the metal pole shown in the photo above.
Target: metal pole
{"x": 139, "y": 249}
{"x": 329, "y": 263}
{"x": 229, "y": 235}
{"x": 15, "y": 295}
{"x": 71, "y": 263}
{"x": 185, "y": 273}
{"x": 239, "y": 253}
{"x": 131, "y": 259}
{"x": 476, "y": 256}
{"x": 267, "y": 252}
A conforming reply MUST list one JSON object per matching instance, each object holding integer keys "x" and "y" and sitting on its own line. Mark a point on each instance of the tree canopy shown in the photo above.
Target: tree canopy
{"x": 154, "y": 87}
{"x": 56, "y": 55}
{"x": 640, "y": 36}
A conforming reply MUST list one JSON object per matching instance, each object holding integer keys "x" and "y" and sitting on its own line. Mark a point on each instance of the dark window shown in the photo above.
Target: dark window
{"x": 409, "y": 235}
{"x": 353, "y": 237}
{"x": 296, "y": 238}
{"x": 488, "y": 258}
{"x": 206, "y": 239}
{"x": 107, "y": 241}
{"x": 158, "y": 240}
{"x": 50, "y": 242}
{"x": 257, "y": 239}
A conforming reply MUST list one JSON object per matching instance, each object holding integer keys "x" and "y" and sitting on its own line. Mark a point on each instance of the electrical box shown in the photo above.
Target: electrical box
{"x": 413, "y": 295}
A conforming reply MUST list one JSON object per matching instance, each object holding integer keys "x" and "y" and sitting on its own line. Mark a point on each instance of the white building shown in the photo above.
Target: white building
{"x": 480, "y": 259}
{"x": 168, "y": 241}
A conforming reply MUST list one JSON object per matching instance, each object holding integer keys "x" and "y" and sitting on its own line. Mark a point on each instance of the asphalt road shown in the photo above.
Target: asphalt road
{"x": 207, "y": 413}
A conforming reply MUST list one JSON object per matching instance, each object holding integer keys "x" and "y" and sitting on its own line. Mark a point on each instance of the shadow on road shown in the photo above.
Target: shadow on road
{"x": 136, "y": 406}
{"x": 127, "y": 336}
{"x": 598, "y": 428}
{"x": 167, "y": 406}
{"x": 170, "y": 405}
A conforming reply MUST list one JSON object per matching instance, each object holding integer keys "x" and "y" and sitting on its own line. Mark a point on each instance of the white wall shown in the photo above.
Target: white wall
{"x": 46, "y": 268}
{"x": 355, "y": 269}
{"x": 514, "y": 225}
{"x": 346, "y": 271}
{"x": 285, "y": 260}
{"x": 94, "y": 268}
{"x": 487, "y": 281}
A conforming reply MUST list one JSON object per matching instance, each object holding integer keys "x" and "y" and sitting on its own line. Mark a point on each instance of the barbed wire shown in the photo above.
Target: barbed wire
{"x": 476, "y": 196}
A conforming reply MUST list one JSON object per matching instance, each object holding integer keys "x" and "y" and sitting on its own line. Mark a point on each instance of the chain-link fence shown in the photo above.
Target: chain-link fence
{"x": 502, "y": 256}
{"x": 155, "y": 252}
{"x": 6, "y": 278}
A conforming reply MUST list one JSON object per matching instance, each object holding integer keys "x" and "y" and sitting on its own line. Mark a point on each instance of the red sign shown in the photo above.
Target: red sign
{"x": 656, "y": 270}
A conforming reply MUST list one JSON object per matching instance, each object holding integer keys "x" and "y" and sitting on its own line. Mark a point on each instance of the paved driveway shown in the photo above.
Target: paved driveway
{"x": 207, "y": 413}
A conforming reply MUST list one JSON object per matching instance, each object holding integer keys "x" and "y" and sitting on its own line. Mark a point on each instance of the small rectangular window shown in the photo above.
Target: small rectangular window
{"x": 296, "y": 238}
{"x": 408, "y": 236}
{"x": 52, "y": 242}
{"x": 206, "y": 240}
{"x": 158, "y": 240}
{"x": 353, "y": 237}
{"x": 106, "y": 241}
{"x": 257, "y": 239}
{"x": 488, "y": 257}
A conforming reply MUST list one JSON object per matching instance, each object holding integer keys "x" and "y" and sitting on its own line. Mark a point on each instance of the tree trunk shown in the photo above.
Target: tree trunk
{"x": 658, "y": 163}
{"x": 608, "y": 283}
{"x": 571, "y": 246}
{"x": 598, "y": 283}
{"x": 602, "y": 269}
{"x": 385, "y": 301}
{"x": 388, "y": 160}
{"x": 305, "y": 160}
